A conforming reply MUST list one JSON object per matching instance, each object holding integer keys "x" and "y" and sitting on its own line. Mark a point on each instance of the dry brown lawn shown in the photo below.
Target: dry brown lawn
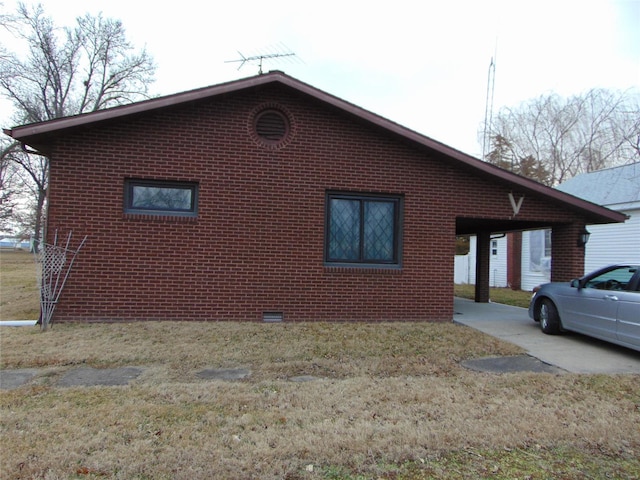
{"x": 390, "y": 401}
{"x": 18, "y": 286}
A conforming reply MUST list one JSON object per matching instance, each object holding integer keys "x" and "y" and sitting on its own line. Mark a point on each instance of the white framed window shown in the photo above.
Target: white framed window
{"x": 540, "y": 251}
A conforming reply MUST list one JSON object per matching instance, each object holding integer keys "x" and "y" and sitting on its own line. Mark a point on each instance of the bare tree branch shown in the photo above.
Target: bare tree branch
{"x": 67, "y": 71}
{"x": 566, "y": 137}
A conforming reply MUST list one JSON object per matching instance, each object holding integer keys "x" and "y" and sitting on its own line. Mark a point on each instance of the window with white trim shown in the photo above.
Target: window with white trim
{"x": 540, "y": 251}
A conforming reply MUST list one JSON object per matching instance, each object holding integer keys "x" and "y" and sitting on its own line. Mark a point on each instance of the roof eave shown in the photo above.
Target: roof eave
{"x": 593, "y": 213}
{"x": 35, "y": 129}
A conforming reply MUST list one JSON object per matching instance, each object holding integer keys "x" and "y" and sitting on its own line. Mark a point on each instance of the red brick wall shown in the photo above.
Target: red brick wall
{"x": 514, "y": 260}
{"x": 566, "y": 257}
{"x": 257, "y": 243}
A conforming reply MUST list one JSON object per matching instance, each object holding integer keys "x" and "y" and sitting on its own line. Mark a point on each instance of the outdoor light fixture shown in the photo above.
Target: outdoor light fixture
{"x": 584, "y": 237}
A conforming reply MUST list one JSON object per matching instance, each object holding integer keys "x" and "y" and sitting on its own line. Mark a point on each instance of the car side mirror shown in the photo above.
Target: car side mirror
{"x": 575, "y": 283}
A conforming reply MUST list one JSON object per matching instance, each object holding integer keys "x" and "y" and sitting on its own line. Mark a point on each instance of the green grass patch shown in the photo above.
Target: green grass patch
{"x": 506, "y": 296}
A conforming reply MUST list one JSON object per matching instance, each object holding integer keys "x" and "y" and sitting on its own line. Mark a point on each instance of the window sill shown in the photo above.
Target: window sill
{"x": 364, "y": 269}
{"x": 159, "y": 218}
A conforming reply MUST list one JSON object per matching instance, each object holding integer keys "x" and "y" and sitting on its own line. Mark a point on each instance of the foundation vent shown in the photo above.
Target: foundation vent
{"x": 272, "y": 317}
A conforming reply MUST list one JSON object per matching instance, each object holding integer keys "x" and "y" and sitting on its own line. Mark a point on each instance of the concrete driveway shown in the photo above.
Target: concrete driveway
{"x": 571, "y": 351}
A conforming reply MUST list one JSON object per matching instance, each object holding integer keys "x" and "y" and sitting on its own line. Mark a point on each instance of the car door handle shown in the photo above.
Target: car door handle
{"x": 613, "y": 298}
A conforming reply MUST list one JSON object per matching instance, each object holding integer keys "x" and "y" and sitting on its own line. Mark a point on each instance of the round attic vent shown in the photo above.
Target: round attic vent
{"x": 271, "y": 126}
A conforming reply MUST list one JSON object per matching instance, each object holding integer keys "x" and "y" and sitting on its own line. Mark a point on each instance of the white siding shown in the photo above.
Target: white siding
{"x": 466, "y": 264}
{"x": 498, "y": 263}
{"x": 614, "y": 243}
{"x": 473, "y": 245}
{"x": 530, "y": 279}
{"x": 463, "y": 268}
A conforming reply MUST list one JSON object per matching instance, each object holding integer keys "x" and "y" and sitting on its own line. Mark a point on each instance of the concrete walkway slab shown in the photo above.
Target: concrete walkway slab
{"x": 224, "y": 373}
{"x": 303, "y": 379}
{"x": 512, "y": 364}
{"x": 85, "y": 377}
{"x": 571, "y": 352}
{"x": 10, "y": 379}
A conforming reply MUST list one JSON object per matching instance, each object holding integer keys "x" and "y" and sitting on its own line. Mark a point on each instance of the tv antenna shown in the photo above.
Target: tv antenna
{"x": 285, "y": 52}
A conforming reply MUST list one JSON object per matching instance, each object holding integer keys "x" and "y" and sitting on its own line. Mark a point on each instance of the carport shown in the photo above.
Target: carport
{"x": 522, "y": 204}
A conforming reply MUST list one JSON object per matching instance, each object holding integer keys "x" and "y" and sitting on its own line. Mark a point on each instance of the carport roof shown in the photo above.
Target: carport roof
{"x": 42, "y": 135}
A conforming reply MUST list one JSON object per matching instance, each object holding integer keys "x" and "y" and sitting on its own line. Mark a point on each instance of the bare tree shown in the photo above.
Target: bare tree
{"x": 67, "y": 71}
{"x": 17, "y": 193}
{"x": 34, "y": 171}
{"x": 552, "y": 139}
{"x": 10, "y": 187}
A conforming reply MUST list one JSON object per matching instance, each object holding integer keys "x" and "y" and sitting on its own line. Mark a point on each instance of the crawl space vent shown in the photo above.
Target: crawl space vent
{"x": 272, "y": 317}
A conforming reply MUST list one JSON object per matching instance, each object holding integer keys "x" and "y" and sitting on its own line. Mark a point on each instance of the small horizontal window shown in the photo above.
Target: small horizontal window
{"x": 161, "y": 197}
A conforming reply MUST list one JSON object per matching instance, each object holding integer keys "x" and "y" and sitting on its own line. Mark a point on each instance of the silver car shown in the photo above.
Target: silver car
{"x": 604, "y": 304}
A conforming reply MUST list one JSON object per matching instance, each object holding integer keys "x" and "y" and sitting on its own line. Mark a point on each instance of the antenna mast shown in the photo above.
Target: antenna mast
{"x": 260, "y": 57}
{"x": 488, "y": 111}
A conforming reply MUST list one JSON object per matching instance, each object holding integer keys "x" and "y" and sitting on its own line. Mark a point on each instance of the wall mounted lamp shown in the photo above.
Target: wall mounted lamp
{"x": 583, "y": 238}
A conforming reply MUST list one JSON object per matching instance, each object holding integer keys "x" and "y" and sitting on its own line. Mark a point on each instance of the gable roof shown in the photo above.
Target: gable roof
{"x": 617, "y": 187}
{"x": 40, "y": 135}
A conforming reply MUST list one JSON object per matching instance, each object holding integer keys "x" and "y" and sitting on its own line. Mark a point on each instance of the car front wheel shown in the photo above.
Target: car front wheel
{"x": 549, "y": 318}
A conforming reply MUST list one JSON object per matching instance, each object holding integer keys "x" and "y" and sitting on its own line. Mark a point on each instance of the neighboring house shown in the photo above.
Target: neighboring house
{"x": 617, "y": 189}
{"x": 266, "y": 199}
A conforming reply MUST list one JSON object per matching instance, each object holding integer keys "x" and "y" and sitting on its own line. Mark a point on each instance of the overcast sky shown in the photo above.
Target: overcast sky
{"x": 423, "y": 64}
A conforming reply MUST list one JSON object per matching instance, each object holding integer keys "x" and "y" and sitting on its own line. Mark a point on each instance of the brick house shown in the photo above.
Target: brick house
{"x": 265, "y": 199}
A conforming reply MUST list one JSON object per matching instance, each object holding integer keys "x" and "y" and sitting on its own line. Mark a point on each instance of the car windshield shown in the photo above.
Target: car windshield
{"x": 616, "y": 279}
